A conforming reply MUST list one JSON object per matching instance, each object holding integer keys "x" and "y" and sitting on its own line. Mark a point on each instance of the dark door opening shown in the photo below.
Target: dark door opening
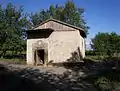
{"x": 41, "y": 55}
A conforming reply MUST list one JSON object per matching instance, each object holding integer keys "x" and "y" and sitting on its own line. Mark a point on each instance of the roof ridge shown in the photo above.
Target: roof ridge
{"x": 51, "y": 19}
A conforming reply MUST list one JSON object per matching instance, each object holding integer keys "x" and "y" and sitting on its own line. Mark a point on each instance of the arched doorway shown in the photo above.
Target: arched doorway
{"x": 40, "y": 53}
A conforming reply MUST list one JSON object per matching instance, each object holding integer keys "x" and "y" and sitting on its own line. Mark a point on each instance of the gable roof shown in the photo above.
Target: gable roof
{"x": 58, "y": 21}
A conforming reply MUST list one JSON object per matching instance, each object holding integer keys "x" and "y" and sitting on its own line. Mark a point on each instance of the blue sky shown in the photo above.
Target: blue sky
{"x": 101, "y": 15}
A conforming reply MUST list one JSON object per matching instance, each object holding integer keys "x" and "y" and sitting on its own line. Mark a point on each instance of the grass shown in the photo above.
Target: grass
{"x": 14, "y": 58}
{"x": 93, "y": 58}
{"x": 14, "y": 61}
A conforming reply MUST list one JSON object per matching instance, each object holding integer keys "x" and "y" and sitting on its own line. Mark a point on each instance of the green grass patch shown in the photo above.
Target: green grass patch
{"x": 14, "y": 61}
{"x": 94, "y": 58}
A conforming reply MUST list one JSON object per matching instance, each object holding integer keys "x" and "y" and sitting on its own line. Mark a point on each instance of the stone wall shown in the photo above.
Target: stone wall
{"x": 62, "y": 44}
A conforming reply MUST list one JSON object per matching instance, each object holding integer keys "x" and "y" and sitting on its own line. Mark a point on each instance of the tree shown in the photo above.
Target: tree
{"x": 13, "y": 23}
{"x": 106, "y": 44}
{"x": 68, "y": 13}
{"x": 114, "y": 44}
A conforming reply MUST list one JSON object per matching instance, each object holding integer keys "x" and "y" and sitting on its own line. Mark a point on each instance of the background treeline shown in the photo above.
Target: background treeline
{"x": 105, "y": 45}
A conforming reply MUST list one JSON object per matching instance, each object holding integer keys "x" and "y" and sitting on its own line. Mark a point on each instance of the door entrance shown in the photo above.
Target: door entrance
{"x": 39, "y": 57}
{"x": 41, "y": 54}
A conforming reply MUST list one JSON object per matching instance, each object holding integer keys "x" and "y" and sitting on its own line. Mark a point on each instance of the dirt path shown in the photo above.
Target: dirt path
{"x": 28, "y": 78}
{"x": 55, "y": 70}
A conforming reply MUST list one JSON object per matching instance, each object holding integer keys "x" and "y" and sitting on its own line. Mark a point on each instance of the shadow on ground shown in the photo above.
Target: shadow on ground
{"x": 30, "y": 79}
{"x": 104, "y": 75}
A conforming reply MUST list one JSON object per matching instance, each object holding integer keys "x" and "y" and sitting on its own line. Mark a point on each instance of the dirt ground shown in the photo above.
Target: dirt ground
{"x": 30, "y": 78}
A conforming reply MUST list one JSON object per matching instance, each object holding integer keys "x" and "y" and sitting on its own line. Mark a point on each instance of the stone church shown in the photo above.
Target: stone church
{"x": 55, "y": 41}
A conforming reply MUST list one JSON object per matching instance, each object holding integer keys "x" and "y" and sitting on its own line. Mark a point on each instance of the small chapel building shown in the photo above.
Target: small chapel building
{"x": 55, "y": 41}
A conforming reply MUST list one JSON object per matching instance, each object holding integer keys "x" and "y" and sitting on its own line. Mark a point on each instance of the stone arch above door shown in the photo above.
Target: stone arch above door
{"x": 40, "y": 44}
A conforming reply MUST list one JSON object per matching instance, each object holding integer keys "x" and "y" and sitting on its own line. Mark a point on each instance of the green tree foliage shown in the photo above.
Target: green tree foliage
{"x": 13, "y": 24}
{"x": 106, "y": 44}
{"x": 68, "y": 13}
